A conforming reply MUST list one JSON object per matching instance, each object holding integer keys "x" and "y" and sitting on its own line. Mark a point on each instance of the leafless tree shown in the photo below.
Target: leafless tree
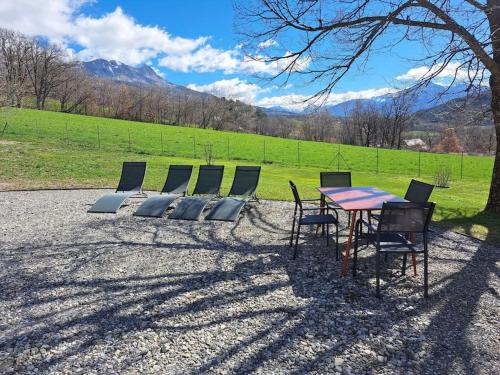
{"x": 336, "y": 36}
{"x": 45, "y": 69}
{"x": 75, "y": 91}
{"x": 13, "y": 73}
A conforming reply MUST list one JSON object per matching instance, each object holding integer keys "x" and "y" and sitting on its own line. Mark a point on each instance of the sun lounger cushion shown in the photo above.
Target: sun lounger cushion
{"x": 156, "y": 205}
{"x": 110, "y": 203}
{"x": 227, "y": 209}
{"x": 190, "y": 208}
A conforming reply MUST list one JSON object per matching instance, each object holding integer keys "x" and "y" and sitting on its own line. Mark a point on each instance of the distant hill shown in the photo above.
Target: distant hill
{"x": 278, "y": 111}
{"x": 473, "y": 110}
{"x": 143, "y": 75}
{"x": 426, "y": 97}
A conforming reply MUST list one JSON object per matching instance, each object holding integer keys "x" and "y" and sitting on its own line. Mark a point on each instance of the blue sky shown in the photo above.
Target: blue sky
{"x": 192, "y": 43}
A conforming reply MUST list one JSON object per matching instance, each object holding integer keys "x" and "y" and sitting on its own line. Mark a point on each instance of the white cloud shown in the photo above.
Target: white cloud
{"x": 297, "y": 102}
{"x": 202, "y": 60}
{"x": 114, "y": 35}
{"x": 423, "y": 72}
{"x": 50, "y": 18}
{"x": 209, "y": 59}
{"x": 266, "y": 44}
{"x": 117, "y": 36}
{"x": 231, "y": 88}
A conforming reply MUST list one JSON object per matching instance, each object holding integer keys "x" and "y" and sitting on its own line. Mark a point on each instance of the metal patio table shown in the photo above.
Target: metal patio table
{"x": 354, "y": 200}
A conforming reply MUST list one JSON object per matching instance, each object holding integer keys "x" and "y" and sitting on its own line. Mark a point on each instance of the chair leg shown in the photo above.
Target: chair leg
{"x": 403, "y": 271}
{"x": 386, "y": 257}
{"x": 337, "y": 241}
{"x": 296, "y": 242}
{"x": 327, "y": 235}
{"x": 426, "y": 276}
{"x": 414, "y": 261}
{"x": 355, "y": 257}
{"x": 293, "y": 230}
{"x": 377, "y": 267}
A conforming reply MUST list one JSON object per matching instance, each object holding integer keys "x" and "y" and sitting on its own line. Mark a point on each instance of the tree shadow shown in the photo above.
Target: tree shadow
{"x": 85, "y": 296}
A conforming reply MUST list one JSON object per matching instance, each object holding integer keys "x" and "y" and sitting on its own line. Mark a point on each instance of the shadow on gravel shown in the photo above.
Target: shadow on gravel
{"x": 74, "y": 313}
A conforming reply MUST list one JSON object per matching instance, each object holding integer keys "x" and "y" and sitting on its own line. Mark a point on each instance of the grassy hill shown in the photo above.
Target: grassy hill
{"x": 48, "y": 149}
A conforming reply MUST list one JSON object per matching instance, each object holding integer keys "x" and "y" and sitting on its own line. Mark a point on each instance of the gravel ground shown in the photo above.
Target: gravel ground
{"x": 116, "y": 294}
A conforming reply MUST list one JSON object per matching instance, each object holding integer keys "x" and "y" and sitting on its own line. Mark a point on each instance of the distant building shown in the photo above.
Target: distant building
{"x": 415, "y": 144}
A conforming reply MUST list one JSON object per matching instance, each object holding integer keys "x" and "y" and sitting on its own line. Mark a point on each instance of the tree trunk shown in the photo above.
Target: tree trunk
{"x": 493, "y": 204}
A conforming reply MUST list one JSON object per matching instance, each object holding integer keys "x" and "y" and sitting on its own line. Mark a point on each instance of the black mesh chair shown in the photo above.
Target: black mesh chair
{"x": 318, "y": 219}
{"x": 207, "y": 188}
{"x": 175, "y": 186}
{"x": 418, "y": 192}
{"x": 242, "y": 190}
{"x": 397, "y": 220}
{"x": 132, "y": 177}
{"x": 332, "y": 180}
{"x": 130, "y": 184}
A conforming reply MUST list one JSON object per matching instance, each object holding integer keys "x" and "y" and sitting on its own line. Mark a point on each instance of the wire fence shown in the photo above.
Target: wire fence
{"x": 151, "y": 139}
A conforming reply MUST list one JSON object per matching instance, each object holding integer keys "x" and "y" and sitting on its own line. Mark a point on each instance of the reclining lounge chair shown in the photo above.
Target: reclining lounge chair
{"x": 207, "y": 187}
{"x": 130, "y": 184}
{"x": 175, "y": 186}
{"x": 242, "y": 190}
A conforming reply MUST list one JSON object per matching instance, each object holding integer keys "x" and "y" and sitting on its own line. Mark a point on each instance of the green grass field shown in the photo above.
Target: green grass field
{"x": 48, "y": 149}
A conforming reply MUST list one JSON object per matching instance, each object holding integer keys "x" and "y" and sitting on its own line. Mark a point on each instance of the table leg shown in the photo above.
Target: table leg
{"x": 345, "y": 265}
{"x": 322, "y": 205}
{"x": 413, "y": 239}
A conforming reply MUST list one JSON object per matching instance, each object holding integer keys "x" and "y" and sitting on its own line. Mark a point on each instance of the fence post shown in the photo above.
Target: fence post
{"x": 98, "y": 138}
{"x": 129, "y": 141}
{"x": 264, "y": 151}
{"x": 298, "y": 153}
{"x": 419, "y": 162}
{"x": 462, "y": 166}
{"x": 161, "y": 141}
{"x": 194, "y": 147}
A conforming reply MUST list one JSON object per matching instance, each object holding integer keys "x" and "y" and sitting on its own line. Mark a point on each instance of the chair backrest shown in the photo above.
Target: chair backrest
{"x": 132, "y": 176}
{"x": 418, "y": 191}
{"x": 335, "y": 179}
{"x": 245, "y": 181}
{"x": 177, "y": 179}
{"x": 403, "y": 217}
{"x": 209, "y": 179}
{"x": 296, "y": 195}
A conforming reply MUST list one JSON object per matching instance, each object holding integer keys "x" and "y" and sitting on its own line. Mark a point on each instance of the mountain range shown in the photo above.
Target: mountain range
{"x": 142, "y": 75}
{"x": 430, "y": 103}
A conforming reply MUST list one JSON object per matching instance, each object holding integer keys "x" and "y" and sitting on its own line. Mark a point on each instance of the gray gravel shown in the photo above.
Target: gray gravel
{"x": 114, "y": 294}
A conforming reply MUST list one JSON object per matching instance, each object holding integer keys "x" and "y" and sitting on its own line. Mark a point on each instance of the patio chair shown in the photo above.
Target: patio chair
{"x": 207, "y": 188}
{"x": 175, "y": 186}
{"x": 418, "y": 192}
{"x": 318, "y": 219}
{"x": 333, "y": 180}
{"x": 130, "y": 185}
{"x": 390, "y": 236}
{"x": 242, "y": 191}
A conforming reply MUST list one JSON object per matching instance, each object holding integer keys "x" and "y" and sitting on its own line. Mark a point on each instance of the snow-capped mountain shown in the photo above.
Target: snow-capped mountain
{"x": 118, "y": 71}
{"x": 143, "y": 75}
{"x": 423, "y": 98}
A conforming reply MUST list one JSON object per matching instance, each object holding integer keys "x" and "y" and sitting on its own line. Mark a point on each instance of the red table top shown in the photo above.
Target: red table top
{"x": 359, "y": 198}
